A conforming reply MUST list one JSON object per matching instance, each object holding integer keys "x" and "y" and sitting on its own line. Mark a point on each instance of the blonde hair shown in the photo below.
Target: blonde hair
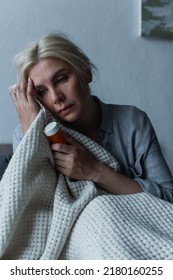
{"x": 57, "y": 46}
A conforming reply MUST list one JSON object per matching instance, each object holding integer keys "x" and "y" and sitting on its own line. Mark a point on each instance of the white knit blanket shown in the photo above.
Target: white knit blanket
{"x": 46, "y": 216}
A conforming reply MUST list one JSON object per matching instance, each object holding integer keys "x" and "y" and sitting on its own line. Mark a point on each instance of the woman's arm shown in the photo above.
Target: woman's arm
{"x": 113, "y": 181}
{"x": 149, "y": 167}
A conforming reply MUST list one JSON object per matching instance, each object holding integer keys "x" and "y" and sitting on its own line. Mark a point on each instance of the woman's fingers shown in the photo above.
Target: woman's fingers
{"x": 74, "y": 161}
{"x": 22, "y": 92}
{"x": 30, "y": 90}
{"x": 25, "y": 103}
{"x": 19, "y": 93}
{"x": 62, "y": 148}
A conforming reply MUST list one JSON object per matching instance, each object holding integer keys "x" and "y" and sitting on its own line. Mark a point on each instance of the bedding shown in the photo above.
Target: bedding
{"x": 45, "y": 215}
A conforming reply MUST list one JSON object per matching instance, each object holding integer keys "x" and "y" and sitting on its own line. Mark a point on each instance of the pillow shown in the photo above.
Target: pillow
{"x": 4, "y": 160}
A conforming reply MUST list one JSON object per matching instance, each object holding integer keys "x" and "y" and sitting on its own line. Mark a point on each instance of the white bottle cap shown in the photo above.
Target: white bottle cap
{"x": 51, "y": 128}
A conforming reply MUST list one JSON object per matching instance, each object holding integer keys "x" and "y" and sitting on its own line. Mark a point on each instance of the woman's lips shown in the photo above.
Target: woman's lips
{"x": 65, "y": 109}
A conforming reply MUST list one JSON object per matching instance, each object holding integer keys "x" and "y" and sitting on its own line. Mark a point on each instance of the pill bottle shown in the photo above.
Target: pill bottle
{"x": 54, "y": 133}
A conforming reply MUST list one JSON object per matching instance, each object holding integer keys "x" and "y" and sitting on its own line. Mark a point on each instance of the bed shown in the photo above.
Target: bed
{"x": 5, "y": 156}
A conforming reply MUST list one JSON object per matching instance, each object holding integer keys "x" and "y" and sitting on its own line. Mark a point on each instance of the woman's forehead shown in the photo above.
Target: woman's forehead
{"x": 47, "y": 67}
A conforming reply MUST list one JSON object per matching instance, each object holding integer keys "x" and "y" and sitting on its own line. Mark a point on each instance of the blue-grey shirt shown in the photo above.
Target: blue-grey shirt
{"x": 127, "y": 134}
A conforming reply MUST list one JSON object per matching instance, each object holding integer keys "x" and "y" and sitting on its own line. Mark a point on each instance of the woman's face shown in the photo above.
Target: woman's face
{"x": 59, "y": 90}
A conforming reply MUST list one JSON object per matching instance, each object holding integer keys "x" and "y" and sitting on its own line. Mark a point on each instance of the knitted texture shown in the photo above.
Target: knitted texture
{"x": 121, "y": 227}
{"x": 46, "y": 216}
{"x": 38, "y": 208}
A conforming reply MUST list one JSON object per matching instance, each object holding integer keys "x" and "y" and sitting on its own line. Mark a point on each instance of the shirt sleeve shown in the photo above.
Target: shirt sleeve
{"x": 17, "y": 137}
{"x": 150, "y": 169}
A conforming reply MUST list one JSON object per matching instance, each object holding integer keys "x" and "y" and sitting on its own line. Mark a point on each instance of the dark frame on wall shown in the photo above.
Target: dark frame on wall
{"x": 157, "y": 18}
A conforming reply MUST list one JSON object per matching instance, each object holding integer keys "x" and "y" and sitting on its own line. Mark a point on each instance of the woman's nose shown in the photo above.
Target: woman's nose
{"x": 57, "y": 96}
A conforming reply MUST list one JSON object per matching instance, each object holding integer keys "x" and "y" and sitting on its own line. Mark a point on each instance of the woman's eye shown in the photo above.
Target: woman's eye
{"x": 41, "y": 92}
{"x": 61, "y": 79}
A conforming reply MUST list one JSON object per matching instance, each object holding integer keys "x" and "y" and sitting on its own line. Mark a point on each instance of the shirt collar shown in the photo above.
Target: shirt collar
{"x": 106, "y": 122}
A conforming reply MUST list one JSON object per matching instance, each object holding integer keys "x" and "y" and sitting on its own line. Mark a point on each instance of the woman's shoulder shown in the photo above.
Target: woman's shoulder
{"x": 128, "y": 113}
{"x": 123, "y": 115}
{"x": 119, "y": 109}
{"x": 130, "y": 118}
{"x": 126, "y": 110}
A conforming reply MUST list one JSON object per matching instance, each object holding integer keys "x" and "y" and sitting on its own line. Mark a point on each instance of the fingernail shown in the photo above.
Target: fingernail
{"x": 29, "y": 80}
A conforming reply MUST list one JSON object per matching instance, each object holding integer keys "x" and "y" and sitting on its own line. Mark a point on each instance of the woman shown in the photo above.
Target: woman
{"x": 57, "y": 73}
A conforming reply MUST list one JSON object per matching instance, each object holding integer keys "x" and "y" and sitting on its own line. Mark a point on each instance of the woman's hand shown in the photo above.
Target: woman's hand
{"x": 77, "y": 163}
{"x": 25, "y": 103}
{"x": 74, "y": 160}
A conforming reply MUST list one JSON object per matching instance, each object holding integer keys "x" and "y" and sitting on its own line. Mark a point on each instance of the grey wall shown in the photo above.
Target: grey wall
{"x": 133, "y": 70}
